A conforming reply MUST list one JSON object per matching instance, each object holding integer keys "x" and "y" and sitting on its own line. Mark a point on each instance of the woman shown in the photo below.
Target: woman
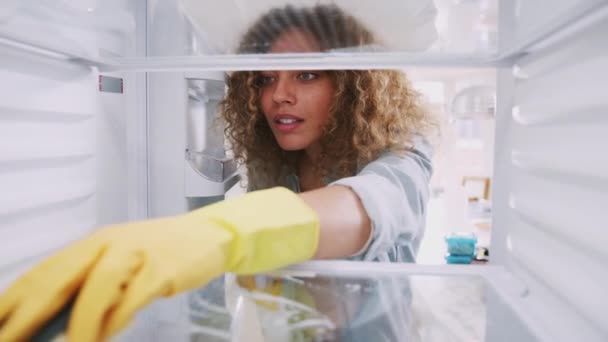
{"x": 334, "y": 134}
{"x": 347, "y": 141}
{"x": 362, "y": 123}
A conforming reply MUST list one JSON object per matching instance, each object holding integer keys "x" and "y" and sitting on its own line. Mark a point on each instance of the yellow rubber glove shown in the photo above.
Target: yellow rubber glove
{"x": 121, "y": 268}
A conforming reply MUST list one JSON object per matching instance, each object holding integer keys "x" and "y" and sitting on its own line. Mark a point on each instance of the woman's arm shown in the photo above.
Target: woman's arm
{"x": 345, "y": 225}
{"x": 392, "y": 194}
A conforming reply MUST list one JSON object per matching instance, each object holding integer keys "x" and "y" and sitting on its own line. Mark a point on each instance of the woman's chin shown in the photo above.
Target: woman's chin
{"x": 292, "y": 146}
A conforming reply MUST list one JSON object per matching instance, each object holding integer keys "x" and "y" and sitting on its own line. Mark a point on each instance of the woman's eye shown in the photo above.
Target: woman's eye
{"x": 263, "y": 80}
{"x": 307, "y": 76}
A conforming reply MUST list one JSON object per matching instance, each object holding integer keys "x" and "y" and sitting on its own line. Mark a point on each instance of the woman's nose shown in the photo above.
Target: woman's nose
{"x": 284, "y": 91}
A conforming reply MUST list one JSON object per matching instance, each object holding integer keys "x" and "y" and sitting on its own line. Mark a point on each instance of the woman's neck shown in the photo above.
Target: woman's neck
{"x": 312, "y": 154}
{"x": 308, "y": 170}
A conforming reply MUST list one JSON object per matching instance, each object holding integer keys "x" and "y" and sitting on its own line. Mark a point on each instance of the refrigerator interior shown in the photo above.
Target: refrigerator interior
{"x": 105, "y": 103}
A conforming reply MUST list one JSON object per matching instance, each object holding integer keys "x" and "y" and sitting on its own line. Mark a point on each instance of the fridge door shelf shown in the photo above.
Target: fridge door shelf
{"x": 206, "y": 175}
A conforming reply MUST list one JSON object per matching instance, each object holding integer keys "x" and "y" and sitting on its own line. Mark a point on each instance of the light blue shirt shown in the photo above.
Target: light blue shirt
{"x": 394, "y": 190}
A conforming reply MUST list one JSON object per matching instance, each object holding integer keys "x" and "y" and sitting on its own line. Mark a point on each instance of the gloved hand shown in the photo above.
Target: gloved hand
{"x": 121, "y": 268}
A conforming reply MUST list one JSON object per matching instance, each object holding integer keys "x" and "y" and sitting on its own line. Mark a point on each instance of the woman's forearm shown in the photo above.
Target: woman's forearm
{"x": 345, "y": 226}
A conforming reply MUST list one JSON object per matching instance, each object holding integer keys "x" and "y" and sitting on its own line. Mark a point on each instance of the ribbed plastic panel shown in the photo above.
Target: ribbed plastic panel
{"x": 557, "y": 189}
{"x": 65, "y": 146}
{"x": 47, "y": 160}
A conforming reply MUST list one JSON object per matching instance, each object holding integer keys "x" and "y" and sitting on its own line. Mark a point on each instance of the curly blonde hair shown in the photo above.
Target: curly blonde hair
{"x": 373, "y": 111}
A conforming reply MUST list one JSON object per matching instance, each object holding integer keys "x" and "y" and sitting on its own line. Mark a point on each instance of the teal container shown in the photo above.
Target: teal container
{"x": 458, "y": 259}
{"x": 462, "y": 244}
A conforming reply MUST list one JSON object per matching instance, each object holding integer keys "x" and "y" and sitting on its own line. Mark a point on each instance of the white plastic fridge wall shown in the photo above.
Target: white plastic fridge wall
{"x": 70, "y": 156}
{"x": 549, "y": 202}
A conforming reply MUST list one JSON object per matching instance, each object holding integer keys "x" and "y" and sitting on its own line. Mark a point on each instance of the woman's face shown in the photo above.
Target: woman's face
{"x": 296, "y": 104}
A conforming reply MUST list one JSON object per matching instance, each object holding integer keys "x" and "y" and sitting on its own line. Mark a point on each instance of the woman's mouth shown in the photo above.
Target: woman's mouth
{"x": 287, "y": 123}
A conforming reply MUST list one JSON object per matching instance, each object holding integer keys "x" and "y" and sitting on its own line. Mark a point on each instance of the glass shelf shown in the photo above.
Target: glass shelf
{"x": 346, "y": 301}
{"x": 317, "y": 61}
{"x": 190, "y": 35}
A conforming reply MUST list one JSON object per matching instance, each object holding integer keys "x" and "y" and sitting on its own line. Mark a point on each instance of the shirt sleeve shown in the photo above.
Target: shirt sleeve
{"x": 394, "y": 191}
